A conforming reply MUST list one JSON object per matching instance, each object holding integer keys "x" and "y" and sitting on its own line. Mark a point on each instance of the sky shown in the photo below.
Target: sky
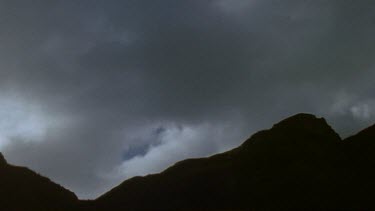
{"x": 93, "y": 92}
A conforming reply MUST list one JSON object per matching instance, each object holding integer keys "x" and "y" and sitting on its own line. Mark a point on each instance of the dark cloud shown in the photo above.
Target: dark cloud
{"x": 104, "y": 90}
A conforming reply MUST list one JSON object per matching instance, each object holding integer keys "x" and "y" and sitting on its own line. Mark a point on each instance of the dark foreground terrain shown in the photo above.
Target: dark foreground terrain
{"x": 298, "y": 164}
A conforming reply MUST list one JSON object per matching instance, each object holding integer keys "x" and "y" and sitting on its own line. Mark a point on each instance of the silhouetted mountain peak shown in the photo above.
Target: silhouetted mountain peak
{"x": 300, "y": 163}
{"x": 2, "y": 160}
{"x": 306, "y": 123}
{"x": 291, "y": 166}
{"x": 296, "y": 130}
{"x": 303, "y": 121}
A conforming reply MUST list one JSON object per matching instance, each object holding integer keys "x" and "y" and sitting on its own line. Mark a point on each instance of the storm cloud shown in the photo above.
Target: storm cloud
{"x": 95, "y": 92}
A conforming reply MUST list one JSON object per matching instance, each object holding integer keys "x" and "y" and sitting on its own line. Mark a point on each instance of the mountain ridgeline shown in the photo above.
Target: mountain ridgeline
{"x": 300, "y": 163}
{"x": 23, "y": 189}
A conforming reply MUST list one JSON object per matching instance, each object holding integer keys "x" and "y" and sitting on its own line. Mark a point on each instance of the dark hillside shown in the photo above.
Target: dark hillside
{"x": 23, "y": 189}
{"x": 299, "y": 164}
{"x": 293, "y": 165}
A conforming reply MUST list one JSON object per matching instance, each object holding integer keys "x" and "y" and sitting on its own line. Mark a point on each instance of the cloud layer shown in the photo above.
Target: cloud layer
{"x": 94, "y": 92}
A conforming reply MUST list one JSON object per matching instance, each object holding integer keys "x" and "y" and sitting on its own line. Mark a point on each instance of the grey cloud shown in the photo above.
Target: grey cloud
{"x": 105, "y": 75}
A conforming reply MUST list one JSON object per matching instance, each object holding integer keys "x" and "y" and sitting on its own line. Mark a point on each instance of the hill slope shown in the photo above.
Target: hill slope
{"x": 293, "y": 165}
{"x": 23, "y": 189}
{"x": 298, "y": 164}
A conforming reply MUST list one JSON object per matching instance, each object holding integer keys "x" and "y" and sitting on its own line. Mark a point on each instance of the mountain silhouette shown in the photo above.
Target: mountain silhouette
{"x": 286, "y": 167}
{"x": 300, "y": 163}
{"x": 3, "y": 162}
{"x": 359, "y": 168}
{"x": 23, "y": 189}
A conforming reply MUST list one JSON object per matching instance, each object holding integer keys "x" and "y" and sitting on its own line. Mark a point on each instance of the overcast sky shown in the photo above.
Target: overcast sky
{"x": 94, "y": 92}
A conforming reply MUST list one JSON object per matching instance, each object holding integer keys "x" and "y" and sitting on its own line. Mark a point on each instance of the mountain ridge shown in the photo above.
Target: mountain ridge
{"x": 281, "y": 143}
{"x": 299, "y": 163}
{"x": 23, "y": 189}
{"x": 3, "y": 162}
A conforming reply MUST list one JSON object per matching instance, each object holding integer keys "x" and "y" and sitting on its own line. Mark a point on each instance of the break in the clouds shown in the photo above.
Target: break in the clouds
{"x": 94, "y": 92}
